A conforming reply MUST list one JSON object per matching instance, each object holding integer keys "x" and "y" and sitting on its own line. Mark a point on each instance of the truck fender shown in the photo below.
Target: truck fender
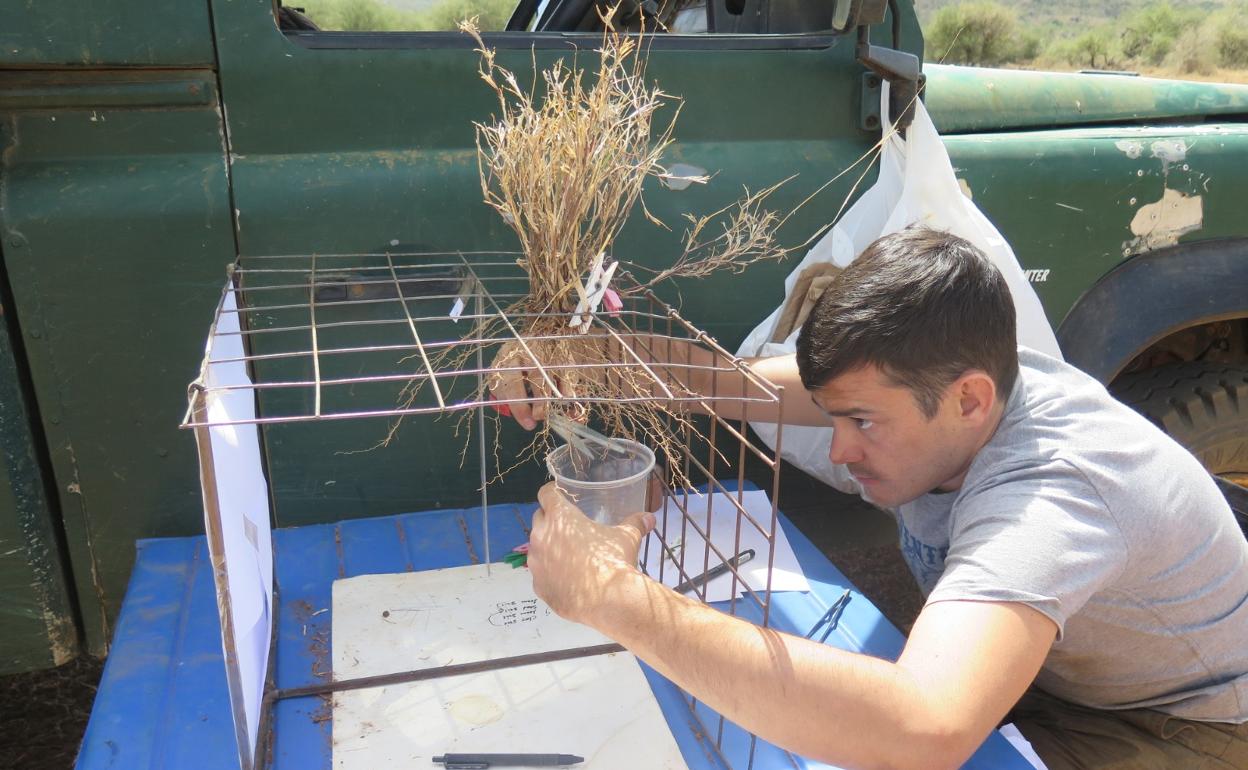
{"x": 1150, "y": 296}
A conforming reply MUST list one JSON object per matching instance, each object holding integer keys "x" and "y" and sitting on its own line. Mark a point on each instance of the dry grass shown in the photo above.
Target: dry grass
{"x": 564, "y": 164}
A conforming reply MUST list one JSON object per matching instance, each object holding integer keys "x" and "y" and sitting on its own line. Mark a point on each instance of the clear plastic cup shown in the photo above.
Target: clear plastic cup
{"x": 609, "y": 487}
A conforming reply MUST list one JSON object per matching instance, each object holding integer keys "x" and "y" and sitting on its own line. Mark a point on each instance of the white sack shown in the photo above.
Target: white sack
{"x": 916, "y": 184}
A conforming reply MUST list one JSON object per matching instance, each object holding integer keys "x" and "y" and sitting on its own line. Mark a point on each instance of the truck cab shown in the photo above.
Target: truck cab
{"x": 145, "y": 145}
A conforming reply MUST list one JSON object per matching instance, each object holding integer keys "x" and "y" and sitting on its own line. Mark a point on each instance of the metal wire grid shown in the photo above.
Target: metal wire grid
{"x": 385, "y": 335}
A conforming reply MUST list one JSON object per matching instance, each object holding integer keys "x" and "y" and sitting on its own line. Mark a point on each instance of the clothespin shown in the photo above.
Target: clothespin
{"x": 519, "y": 556}
{"x": 612, "y": 302}
{"x": 457, "y": 308}
{"x": 592, "y": 293}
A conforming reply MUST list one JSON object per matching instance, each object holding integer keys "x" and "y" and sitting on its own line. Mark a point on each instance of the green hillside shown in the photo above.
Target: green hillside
{"x": 1175, "y": 38}
{"x": 1070, "y": 17}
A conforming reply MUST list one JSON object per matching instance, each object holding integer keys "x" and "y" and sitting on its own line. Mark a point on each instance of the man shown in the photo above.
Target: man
{"x": 1061, "y": 539}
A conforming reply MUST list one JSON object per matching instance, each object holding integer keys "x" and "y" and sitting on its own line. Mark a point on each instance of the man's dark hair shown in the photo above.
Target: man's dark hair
{"x": 922, "y": 305}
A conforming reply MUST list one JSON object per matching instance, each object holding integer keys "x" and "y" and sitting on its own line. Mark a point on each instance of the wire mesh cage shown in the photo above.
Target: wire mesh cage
{"x": 398, "y": 336}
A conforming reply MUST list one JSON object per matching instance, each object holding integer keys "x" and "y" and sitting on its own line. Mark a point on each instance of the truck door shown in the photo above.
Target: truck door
{"x": 38, "y": 616}
{"x": 363, "y": 142}
{"x": 114, "y": 214}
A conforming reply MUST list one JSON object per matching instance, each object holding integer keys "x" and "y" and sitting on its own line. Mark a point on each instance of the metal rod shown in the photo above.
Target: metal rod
{"x": 519, "y": 338}
{"x": 316, "y": 359}
{"x": 482, "y": 396}
{"x": 710, "y": 342}
{"x": 687, "y": 521}
{"x": 454, "y": 374}
{"x": 775, "y": 504}
{"x": 692, "y": 703}
{"x": 358, "y": 255}
{"x": 437, "y": 391}
{"x": 376, "y": 365}
{"x": 663, "y": 385}
{"x": 723, "y": 490}
{"x": 398, "y": 321}
{"x": 200, "y": 381}
{"x": 441, "y": 672}
{"x": 395, "y": 280}
{"x": 399, "y": 411}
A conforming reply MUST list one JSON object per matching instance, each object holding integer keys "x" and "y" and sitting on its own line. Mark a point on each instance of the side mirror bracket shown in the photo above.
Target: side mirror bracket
{"x": 904, "y": 74}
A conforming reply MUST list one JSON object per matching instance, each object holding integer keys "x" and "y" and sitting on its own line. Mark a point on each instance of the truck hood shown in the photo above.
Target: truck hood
{"x": 973, "y": 100}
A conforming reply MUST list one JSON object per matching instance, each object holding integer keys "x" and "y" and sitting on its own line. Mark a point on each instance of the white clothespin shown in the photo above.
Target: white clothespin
{"x": 457, "y": 309}
{"x": 596, "y": 286}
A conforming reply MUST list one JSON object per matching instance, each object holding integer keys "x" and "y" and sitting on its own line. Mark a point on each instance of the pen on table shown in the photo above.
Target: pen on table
{"x": 715, "y": 572}
{"x": 483, "y": 761}
{"x": 831, "y": 617}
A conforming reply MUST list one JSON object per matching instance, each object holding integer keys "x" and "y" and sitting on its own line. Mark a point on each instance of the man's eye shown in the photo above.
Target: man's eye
{"x": 863, "y": 423}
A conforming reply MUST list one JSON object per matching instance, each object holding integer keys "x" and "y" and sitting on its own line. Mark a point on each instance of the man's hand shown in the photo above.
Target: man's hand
{"x": 575, "y": 562}
{"x": 516, "y": 378}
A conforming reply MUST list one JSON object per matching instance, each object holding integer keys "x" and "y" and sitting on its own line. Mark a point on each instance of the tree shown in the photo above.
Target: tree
{"x": 981, "y": 32}
{"x": 1027, "y": 46}
{"x": 1150, "y": 33}
{"x": 1090, "y": 47}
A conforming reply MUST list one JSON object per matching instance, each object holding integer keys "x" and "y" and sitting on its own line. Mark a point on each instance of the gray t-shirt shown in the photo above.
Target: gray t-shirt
{"x": 1085, "y": 511}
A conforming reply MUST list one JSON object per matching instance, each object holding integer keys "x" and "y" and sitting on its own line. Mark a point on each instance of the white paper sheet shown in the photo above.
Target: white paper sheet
{"x": 243, "y": 500}
{"x": 598, "y": 707}
{"x": 1018, "y": 741}
{"x": 787, "y": 574}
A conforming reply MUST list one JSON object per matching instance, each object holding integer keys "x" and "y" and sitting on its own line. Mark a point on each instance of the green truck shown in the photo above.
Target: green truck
{"x": 144, "y": 144}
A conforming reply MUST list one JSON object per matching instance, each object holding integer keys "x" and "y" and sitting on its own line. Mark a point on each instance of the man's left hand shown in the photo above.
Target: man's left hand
{"x": 576, "y": 562}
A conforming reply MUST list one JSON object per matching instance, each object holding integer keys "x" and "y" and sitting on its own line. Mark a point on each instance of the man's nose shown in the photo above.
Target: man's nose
{"x": 844, "y": 449}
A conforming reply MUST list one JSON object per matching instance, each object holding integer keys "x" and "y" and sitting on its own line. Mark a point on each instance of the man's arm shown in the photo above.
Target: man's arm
{"x": 965, "y": 664}
{"x": 689, "y": 367}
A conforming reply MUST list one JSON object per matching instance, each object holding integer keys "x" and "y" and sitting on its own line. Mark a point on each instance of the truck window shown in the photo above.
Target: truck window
{"x": 395, "y": 15}
{"x": 662, "y": 16}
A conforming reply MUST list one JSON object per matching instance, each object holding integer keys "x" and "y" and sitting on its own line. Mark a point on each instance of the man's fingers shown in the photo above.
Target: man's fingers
{"x": 638, "y": 525}
{"x": 550, "y": 497}
{"x": 508, "y": 386}
{"x": 536, "y": 387}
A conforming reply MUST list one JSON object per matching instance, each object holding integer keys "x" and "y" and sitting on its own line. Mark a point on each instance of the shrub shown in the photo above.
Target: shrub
{"x": 376, "y": 16}
{"x": 1231, "y": 39}
{"x": 1193, "y": 52}
{"x": 1150, "y": 33}
{"x": 491, "y": 14}
{"x": 981, "y": 32}
{"x": 1027, "y": 46}
{"x": 1091, "y": 49}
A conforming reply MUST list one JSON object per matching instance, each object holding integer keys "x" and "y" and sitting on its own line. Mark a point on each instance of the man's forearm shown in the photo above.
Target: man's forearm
{"x": 816, "y": 700}
{"x": 687, "y": 367}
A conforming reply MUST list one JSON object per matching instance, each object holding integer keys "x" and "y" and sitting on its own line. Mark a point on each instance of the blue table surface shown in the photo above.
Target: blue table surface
{"x": 162, "y": 700}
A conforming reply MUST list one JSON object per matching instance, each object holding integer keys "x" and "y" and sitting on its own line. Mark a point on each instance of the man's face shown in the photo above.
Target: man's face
{"x": 894, "y": 451}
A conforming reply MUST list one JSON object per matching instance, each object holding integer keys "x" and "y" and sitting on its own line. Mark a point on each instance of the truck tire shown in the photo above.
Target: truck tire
{"x": 1203, "y": 406}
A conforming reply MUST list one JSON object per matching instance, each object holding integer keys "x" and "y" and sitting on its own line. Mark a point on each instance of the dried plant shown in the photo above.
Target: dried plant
{"x": 564, "y": 164}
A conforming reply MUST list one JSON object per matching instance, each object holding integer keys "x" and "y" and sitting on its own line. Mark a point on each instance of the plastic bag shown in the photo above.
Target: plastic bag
{"x": 916, "y": 184}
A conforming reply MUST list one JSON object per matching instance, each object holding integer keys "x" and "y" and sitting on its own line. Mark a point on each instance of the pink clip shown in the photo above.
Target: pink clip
{"x": 612, "y": 302}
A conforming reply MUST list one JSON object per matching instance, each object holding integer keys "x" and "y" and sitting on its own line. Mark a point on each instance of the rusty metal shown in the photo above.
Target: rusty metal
{"x": 441, "y": 672}
{"x": 301, "y": 325}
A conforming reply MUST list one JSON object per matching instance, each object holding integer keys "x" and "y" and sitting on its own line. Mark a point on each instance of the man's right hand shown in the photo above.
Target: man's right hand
{"x": 516, "y": 378}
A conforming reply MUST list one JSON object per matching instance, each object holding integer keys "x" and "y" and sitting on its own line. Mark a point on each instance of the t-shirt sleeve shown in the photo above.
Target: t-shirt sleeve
{"x": 1044, "y": 538}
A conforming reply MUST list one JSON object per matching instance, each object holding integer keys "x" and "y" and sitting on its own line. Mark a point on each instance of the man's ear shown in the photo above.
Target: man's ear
{"x": 976, "y": 394}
